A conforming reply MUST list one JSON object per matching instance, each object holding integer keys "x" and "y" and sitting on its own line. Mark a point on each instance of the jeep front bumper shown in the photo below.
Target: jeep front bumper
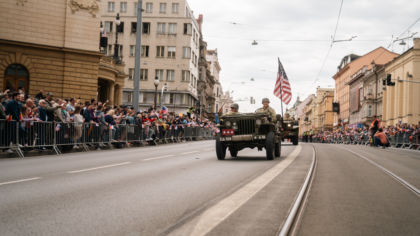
{"x": 239, "y": 138}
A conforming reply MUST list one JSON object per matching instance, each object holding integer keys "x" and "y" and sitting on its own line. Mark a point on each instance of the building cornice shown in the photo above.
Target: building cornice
{"x": 51, "y": 48}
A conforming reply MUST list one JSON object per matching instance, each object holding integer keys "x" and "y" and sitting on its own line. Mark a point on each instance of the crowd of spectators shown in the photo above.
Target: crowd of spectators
{"x": 383, "y": 136}
{"x": 44, "y": 107}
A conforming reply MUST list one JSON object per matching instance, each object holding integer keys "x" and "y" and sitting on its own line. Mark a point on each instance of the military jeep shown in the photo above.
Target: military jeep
{"x": 290, "y": 130}
{"x": 251, "y": 130}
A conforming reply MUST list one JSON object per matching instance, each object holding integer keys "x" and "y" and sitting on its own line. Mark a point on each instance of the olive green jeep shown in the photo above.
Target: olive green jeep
{"x": 248, "y": 130}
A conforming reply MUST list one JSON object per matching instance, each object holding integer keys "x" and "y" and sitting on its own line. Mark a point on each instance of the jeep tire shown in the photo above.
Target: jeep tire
{"x": 220, "y": 149}
{"x": 277, "y": 149}
{"x": 295, "y": 141}
{"x": 233, "y": 152}
{"x": 270, "y": 146}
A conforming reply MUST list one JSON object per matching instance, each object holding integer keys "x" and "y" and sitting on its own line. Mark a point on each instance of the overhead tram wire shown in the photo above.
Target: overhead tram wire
{"x": 392, "y": 41}
{"x": 331, "y": 45}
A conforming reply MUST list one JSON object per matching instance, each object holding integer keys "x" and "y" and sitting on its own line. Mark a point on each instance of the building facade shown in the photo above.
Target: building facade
{"x": 220, "y": 98}
{"x": 401, "y": 102}
{"x": 206, "y": 80}
{"x": 348, "y": 67}
{"x": 169, "y": 50}
{"x": 53, "y": 46}
{"x": 324, "y": 116}
{"x": 366, "y": 92}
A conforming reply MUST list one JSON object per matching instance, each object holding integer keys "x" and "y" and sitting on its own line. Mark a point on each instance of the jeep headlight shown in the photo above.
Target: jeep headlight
{"x": 228, "y": 124}
{"x": 235, "y": 126}
{"x": 258, "y": 122}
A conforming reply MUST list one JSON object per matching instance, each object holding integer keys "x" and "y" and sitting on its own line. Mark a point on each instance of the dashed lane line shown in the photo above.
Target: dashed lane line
{"x": 19, "y": 181}
{"x": 157, "y": 158}
{"x": 98, "y": 168}
{"x": 186, "y": 153}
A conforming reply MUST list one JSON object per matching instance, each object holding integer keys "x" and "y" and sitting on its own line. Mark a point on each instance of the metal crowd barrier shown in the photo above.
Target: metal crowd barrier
{"x": 399, "y": 140}
{"x": 37, "y": 135}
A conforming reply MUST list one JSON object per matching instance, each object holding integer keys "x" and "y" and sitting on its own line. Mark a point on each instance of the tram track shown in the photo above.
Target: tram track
{"x": 400, "y": 180}
{"x": 295, "y": 214}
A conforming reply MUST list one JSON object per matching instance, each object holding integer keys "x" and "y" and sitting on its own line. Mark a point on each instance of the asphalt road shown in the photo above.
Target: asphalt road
{"x": 182, "y": 189}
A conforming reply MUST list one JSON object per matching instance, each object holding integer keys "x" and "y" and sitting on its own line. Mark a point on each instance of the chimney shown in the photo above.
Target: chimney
{"x": 416, "y": 43}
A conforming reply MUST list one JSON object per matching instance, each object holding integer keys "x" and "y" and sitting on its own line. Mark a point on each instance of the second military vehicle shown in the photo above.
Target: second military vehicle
{"x": 290, "y": 130}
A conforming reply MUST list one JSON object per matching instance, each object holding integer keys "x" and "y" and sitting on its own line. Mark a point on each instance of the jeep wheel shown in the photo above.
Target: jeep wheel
{"x": 233, "y": 152}
{"x": 277, "y": 149}
{"x": 220, "y": 149}
{"x": 295, "y": 140}
{"x": 269, "y": 146}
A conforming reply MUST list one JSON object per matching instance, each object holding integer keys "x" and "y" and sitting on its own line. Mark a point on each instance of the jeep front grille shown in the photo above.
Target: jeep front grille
{"x": 246, "y": 127}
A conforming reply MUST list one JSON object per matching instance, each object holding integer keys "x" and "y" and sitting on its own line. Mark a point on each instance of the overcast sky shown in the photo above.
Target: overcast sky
{"x": 299, "y": 33}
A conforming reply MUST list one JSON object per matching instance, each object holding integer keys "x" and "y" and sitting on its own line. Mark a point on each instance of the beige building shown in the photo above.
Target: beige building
{"x": 401, "y": 102}
{"x": 53, "y": 46}
{"x": 170, "y": 50}
{"x": 306, "y": 114}
{"x": 323, "y": 116}
{"x": 348, "y": 67}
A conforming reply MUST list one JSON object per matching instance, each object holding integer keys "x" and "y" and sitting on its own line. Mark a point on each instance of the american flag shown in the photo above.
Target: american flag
{"x": 282, "y": 88}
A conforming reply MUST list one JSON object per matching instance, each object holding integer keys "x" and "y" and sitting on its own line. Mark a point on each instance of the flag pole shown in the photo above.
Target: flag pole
{"x": 281, "y": 90}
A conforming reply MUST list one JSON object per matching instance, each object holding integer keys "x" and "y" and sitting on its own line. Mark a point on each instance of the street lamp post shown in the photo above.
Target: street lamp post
{"x": 116, "y": 47}
{"x": 136, "y": 81}
{"x": 156, "y": 82}
{"x": 165, "y": 86}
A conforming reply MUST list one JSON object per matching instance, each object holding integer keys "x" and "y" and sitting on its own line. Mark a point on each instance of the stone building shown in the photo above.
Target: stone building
{"x": 221, "y": 98}
{"x": 366, "y": 92}
{"x": 349, "y": 66}
{"x": 401, "y": 102}
{"x": 169, "y": 50}
{"x": 206, "y": 81}
{"x": 53, "y": 46}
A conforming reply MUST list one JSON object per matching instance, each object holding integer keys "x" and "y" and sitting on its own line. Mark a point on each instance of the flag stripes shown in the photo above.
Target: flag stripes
{"x": 282, "y": 87}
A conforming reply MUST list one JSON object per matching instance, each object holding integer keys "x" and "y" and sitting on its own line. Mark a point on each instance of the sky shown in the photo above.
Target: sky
{"x": 299, "y": 32}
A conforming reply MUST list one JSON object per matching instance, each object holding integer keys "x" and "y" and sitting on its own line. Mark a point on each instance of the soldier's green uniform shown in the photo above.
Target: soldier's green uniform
{"x": 267, "y": 110}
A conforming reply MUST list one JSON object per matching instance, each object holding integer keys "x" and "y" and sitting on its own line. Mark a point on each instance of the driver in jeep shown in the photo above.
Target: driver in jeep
{"x": 267, "y": 109}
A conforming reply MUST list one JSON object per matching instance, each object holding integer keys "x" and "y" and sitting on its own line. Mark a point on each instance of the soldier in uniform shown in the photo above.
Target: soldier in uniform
{"x": 267, "y": 109}
{"x": 234, "y": 109}
{"x": 287, "y": 116}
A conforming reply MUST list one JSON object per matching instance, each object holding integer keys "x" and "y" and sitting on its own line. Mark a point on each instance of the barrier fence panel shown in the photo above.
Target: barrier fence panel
{"x": 134, "y": 133}
{"x": 8, "y": 135}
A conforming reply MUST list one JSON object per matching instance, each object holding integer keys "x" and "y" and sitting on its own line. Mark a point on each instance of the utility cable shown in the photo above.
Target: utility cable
{"x": 331, "y": 45}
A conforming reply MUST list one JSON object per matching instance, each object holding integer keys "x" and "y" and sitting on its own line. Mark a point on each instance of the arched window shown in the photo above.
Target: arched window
{"x": 16, "y": 76}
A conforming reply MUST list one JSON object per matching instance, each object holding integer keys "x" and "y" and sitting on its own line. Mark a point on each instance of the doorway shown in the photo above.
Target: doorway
{"x": 16, "y": 77}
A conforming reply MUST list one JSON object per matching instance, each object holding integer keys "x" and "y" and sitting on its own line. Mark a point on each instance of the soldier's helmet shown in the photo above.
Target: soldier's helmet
{"x": 265, "y": 100}
{"x": 235, "y": 106}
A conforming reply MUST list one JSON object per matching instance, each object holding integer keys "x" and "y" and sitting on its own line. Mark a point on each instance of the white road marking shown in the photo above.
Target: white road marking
{"x": 99, "y": 167}
{"x": 157, "y": 158}
{"x": 19, "y": 181}
{"x": 388, "y": 172}
{"x": 186, "y": 153}
{"x": 204, "y": 223}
